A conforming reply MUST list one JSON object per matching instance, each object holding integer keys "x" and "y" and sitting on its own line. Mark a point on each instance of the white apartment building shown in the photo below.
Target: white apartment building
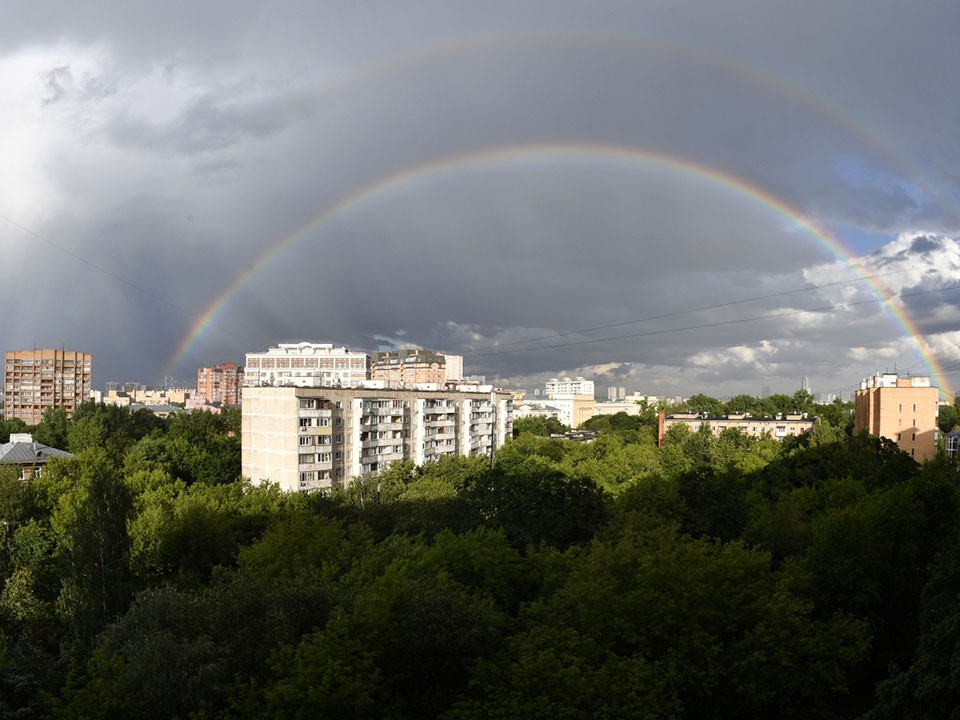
{"x": 569, "y": 386}
{"x": 306, "y": 365}
{"x": 307, "y": 438}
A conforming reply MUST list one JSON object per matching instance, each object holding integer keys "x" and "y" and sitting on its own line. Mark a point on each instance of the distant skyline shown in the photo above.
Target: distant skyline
{"x": 675, "y": 199}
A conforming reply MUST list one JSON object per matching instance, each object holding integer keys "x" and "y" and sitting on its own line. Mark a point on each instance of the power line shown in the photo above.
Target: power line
{"x": 720, "y": 323}
{"x": 697, "y": 309}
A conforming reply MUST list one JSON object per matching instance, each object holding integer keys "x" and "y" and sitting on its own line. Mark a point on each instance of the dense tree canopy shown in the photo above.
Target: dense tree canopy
{"x": 712, "y": 577}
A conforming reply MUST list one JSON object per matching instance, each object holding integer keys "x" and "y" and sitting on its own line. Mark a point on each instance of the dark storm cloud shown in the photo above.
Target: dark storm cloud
{"x": 170, "y": 146}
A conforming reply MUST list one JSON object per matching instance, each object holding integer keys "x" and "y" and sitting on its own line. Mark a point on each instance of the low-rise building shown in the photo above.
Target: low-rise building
{"x": 779, "y": 427}
{"x": 306, "y": 438}
{"x": 28, "y": 456}
{"x": 629, "y": 404}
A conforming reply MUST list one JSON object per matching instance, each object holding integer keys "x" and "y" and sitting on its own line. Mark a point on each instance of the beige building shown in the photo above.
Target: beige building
{"x": 778, "y": 428}
{"x": 902, "y": 409}
{"x": 573, "y": 409}
{"x": 35, "y": 380}
{"x": 629, "y": 404}
{"x": 146, "y": 396}
{"x": 408, "y": 368}
{"x": 319, "y": 438}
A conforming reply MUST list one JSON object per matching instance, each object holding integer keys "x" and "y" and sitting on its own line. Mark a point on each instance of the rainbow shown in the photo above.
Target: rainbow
{"x": 511, "y": 154}
{"x": 757, "y": 75}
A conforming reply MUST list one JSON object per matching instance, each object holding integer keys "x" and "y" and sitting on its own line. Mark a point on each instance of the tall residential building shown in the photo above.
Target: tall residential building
{"x": 35, "y": 380}
{"x": 569, "y": 386}
{"x": 406, "y": 368}
{"x": 305, "y": 365}
{"x": 220, "y": 383}
{"x": 902, "y": 409}
{"x": 319, "y": 438}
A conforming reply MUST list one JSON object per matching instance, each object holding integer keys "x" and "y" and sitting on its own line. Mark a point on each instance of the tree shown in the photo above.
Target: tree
{"x": 538, "y": 425}
{"x": 90, "y": 526}
{"x": 52, "y": 431}
{"x": 802, "y": 401}
{"x": 705, "y": 404}
{"x": 651, "y": 623}
{"x": 11, "y": 425}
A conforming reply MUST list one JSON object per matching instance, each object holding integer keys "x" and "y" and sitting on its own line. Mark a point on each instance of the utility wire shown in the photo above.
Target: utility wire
{"x": 696, "y": 309}
{"x": 719, "y": 323}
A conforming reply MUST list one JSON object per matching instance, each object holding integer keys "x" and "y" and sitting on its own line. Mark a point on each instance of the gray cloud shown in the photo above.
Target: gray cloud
{"x": 666, "y": 158}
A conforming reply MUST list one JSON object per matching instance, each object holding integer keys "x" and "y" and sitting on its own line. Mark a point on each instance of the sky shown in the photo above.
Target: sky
{"x": 667, "y": 197}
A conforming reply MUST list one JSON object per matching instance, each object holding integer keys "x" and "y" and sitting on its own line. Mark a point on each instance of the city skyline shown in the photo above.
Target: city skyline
{"x": 668, "y": 199}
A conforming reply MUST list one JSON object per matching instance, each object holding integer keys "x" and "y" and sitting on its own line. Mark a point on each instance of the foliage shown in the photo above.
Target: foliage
{"x": 712, "y": 577}
{"x": 537, "y": 425}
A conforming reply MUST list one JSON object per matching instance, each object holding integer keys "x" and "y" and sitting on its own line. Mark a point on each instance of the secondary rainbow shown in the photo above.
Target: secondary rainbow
{"x": 759, "y": 76}
{"x": 507, "y": 155}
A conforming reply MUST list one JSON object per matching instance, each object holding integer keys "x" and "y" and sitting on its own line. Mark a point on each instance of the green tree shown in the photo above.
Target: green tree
{"x": 52, "y": 431}
{"x": 537, "y": 425}
{"x": 701, "y": 403}
{"x": 90, "y": 526}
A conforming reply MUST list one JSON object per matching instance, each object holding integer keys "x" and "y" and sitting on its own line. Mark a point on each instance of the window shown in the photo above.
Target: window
{"x": 304, "y": 439}
{"x": 914, "y": 438}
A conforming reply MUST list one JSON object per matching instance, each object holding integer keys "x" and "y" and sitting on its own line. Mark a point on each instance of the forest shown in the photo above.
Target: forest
{"x": 727, "y": 577}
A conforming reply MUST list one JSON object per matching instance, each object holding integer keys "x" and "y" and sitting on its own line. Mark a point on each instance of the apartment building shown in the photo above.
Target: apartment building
{"x": 569, "y": 386}
{"x": 220, "y": 384}
{"x": 35, "y": 380}
{"x": 902, "y": 409}
{"x": 408, "y": 368}
{"x": 305, "y": 365}
{"x": 306, "y": 438}
{"x": 779, "y": 428}
{"x": 573, "y": 409}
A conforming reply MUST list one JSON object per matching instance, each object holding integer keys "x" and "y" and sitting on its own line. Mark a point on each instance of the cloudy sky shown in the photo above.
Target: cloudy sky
{"x": 674, "y": 197}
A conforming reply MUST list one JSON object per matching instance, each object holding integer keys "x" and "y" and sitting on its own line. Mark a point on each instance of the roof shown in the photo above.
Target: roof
{"x": 28, "y": 453}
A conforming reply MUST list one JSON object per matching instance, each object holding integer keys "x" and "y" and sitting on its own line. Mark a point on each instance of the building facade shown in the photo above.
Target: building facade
{"x": 778, "y": 428}
{"x": 35, "y": 380}
{"x": 29, "y": 457}
{"x": 902, "y": 409}
{"x": 574, "y": 409}
{"x": 304, "y": 438}
{"x": 630, "y": 404}
{"x": 306, "y": 365}
{"x": 569, "y": 386}
{"x": 407, "y": 368}
{"x": 221, "y": 384}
